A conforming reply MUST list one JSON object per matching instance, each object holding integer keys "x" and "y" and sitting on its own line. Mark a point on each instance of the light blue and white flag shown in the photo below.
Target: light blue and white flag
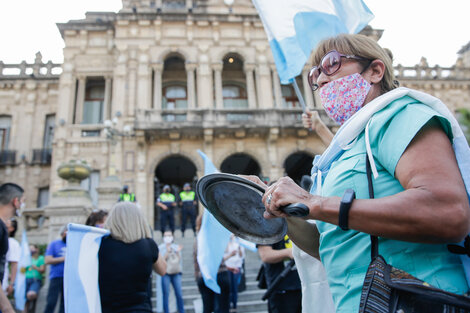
{"x": 20, "y": 282}
{"x": 295, "y": 27}
{"x": 81, "y": 290}
{"x": 212, "y": 239}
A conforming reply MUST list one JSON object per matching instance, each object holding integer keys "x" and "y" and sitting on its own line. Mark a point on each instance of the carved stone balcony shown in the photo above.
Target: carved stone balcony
{"x": 149, "y": 120}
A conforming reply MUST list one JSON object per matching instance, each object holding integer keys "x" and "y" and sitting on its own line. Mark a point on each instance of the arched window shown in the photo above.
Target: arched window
{"x": 234, "y": 82}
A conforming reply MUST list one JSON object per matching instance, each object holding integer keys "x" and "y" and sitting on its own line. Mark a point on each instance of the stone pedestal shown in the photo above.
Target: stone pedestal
{"x": 108, "y": 192}
{"x": 71, "y": 204}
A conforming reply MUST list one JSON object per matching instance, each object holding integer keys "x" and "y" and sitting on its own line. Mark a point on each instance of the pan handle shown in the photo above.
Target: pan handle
{"x": 295, "y": 209}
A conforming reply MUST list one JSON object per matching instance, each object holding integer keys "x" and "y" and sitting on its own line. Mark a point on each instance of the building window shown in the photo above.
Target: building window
{"x": 5, "y": 125}
{"x": 174, "y": 97}
{"x": 94, "y": 101}
{"x": 90, "y": 184}
{"x": 43, "y": 197}
{"x": 234, "y": 97}
{"x": 289, "y": 98}
{"x": 49, "y": 131}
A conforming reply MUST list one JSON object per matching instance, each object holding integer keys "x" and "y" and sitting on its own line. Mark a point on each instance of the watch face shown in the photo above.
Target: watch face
{"x": 349, "y": 194}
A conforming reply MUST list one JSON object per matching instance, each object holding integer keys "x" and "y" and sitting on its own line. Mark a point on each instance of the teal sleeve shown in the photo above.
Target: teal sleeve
{"x": 396, "y": 134}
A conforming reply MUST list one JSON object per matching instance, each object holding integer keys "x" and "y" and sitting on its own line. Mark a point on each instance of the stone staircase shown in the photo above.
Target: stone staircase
{"x": 249, "y": 301}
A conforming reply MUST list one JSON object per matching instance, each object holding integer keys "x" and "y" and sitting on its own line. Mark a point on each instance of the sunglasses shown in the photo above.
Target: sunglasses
{"x": 329, "y": 65}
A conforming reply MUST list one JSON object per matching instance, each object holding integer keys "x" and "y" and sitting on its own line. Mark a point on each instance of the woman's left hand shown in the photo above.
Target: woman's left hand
{"x": 284, "y": 192}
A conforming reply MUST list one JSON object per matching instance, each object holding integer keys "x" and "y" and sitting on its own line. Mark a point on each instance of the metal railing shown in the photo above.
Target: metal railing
{"x": 42, "y": 156}
{"x": 7, "y": 157}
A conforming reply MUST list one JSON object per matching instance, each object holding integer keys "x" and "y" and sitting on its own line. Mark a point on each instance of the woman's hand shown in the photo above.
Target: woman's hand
{"x": 307, "y": 119}
{"x": 284, "y": 192}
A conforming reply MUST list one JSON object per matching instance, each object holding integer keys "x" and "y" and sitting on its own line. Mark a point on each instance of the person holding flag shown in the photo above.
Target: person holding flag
{"x": 294, "y": 28}
{"x": 384, "y": 130}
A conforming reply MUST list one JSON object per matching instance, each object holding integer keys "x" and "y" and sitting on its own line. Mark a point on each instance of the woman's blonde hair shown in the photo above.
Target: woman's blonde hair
{"x": 127, "y": 223}
{"x": 361, "y": 46}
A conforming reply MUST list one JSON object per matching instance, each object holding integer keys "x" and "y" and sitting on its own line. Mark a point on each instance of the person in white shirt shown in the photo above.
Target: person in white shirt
{"x": 236, "y": 254}
{"x": 12, "y": 258}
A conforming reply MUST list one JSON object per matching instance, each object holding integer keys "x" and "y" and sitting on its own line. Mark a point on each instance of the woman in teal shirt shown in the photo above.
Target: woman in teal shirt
{"x": 421, "y": 202}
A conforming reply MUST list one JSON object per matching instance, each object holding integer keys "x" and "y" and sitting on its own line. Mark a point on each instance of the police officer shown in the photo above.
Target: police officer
{"x": 188, "y": 206}
{"x": 167, "y": 202}
{"x": 126, "y": 196}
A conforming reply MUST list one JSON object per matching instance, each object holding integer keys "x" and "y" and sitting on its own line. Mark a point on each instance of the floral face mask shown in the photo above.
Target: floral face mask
{"x": 343, "y": 97}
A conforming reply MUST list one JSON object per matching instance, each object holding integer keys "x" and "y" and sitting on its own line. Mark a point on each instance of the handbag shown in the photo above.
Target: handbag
{"x": 387, "y": 289}
{"x": 173, "y": 265}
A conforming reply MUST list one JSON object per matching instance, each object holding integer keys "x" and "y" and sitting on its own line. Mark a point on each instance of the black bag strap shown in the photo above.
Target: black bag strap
{"x": 374, "y": 246}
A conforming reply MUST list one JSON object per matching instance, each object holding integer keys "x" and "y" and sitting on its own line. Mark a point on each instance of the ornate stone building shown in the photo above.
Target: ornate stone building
{"x": 141, "y": 90}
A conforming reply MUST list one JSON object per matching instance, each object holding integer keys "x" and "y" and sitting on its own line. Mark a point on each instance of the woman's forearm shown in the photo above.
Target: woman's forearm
{"x": 304, "y": 235}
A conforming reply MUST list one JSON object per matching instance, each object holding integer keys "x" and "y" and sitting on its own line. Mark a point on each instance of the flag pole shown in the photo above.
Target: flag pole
{"x": 299, "y": 95}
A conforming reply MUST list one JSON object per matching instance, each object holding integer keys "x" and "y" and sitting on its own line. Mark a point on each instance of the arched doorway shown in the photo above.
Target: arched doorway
{"x": 175, "y": 170}
{"x": 297, "y": 165}
{"x": 240, "y": 163}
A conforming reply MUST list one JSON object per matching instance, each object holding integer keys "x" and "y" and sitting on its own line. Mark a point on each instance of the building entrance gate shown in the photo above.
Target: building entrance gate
{"x": 174, "y": 171}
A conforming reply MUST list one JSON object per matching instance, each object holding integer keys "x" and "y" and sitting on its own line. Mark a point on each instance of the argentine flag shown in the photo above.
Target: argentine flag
{"x": 81, "y": 290}
{"x": 212, "y": 239}
{"x": 295, "y": 27}
{"x": 20, "y": 282}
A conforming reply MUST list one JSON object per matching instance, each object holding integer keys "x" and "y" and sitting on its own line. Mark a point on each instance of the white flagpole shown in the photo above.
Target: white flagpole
{"x": 299, "y": 95}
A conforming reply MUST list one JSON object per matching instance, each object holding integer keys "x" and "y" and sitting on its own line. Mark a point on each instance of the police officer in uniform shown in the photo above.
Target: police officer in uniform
{"x": 126, "y": 196}
{"x": 188, "y": 205}
{"x": 167, "y": 202}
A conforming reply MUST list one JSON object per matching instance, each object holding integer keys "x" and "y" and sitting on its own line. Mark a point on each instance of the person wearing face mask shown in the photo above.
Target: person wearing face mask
{"x": 188, "y": 206}
{"x": 55, "y": 257}
{"x": 416, "y": 152}
{"x": 33, "y": 276}
{"x": 171, "y": 253}
{"x": 11, "y": 201}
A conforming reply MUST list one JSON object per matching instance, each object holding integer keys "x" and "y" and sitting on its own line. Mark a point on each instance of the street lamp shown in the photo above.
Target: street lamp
{"x": 112, "y": 133}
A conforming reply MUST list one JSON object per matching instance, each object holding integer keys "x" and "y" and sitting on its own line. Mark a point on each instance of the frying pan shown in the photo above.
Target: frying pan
{"x": 236, "y": 203}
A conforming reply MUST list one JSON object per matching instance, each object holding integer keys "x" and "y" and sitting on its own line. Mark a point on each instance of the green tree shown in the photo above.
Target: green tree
{"x": 463, "y": 117}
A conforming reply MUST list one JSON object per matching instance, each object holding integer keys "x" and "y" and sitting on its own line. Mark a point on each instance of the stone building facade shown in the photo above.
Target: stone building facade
{"x": 141, "y": 90}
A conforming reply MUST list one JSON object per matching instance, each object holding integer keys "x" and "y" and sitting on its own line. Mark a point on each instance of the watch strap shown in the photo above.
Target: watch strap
{"x": 344, "y": 207}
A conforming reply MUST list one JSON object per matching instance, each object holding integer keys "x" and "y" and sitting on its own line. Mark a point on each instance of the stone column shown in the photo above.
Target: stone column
{"x": 219, "y": 100}
{"x": 204, "y": 83}
{"x": 265, "y": 90}
{"x": 157, "y": 86}
{"x": 191, "y": 87}
{"x": 308, "y": 93}
{"x": 107, "y": 99}
{"x": 80, "y": 100}
{"x": 276, "y": 88}
{"x": 131, "y": 95}
{"x": 250, "y": 85}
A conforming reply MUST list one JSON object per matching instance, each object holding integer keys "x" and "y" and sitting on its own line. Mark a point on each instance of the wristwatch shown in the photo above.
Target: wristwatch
{"x": 344, "y": 207}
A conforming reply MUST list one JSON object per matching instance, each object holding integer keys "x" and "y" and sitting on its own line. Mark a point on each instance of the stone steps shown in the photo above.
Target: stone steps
{"x": 249, "y": 301}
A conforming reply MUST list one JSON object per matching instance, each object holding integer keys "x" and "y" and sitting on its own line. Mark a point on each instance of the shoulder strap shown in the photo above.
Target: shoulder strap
{"x": 374, "y": 246}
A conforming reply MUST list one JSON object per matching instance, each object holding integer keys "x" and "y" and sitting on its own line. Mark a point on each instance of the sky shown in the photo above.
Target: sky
{"x": 434, "y": 29}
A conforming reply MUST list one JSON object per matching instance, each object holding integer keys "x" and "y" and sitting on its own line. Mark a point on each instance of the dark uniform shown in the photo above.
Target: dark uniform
{"x": 188, "y": 209}
{"x": 168, "y": 215}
